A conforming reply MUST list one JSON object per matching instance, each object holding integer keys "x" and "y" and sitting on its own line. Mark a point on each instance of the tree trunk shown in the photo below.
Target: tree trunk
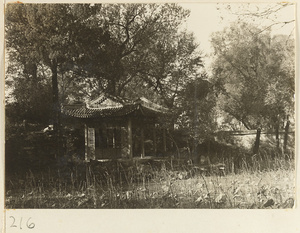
{"x": 56, "y": 109}
{"x": 286, "y": 134}
{"x": 257, "y": 141}
{"x": 277, "y": 135}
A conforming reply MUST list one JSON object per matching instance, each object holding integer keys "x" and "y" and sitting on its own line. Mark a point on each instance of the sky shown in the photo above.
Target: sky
{"x": 205, "y": 19}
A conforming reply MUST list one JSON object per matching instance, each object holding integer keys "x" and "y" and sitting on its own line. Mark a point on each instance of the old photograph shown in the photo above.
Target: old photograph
{"x": 150, "y": 106}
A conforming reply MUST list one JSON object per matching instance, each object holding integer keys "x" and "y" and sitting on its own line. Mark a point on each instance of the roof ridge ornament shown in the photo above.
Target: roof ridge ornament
{"x": 104, "y": 102}
{"x": 109, "y": 106}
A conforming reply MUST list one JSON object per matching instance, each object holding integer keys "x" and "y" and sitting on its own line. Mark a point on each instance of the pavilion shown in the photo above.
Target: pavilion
{"x": 116, "y": 128}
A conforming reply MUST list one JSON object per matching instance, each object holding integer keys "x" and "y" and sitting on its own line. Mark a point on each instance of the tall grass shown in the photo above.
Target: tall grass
{"x": 262, "y": 181}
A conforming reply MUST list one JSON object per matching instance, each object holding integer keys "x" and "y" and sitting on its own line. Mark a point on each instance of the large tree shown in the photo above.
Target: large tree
{"x": 145, "y": 44}
{"x": 253, "y": 74}
{"x": 52, "y": 35}
{"x": 124, "y": 50}
{"x": 146, "y": 54}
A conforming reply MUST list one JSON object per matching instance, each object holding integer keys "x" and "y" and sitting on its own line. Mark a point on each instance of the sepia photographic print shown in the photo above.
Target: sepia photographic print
{"x": 150, "y": 106}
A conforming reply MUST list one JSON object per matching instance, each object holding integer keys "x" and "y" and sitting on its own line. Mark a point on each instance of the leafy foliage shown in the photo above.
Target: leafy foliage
{"x": 197, "y": 110}
{"x": 248, "y": 65}
{"x": 94, "y": 48}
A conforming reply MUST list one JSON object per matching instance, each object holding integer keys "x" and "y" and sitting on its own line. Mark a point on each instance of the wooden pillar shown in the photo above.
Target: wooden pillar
{"x": 142, "y": 143}
{"x": 91, "y": 143}
{"x": 86, "y": 143}
{"x": 164, "y": 140}
{"x": 154, "y": 141}
{"x": 89, "y": 138}
{"x": 129, "y": 132}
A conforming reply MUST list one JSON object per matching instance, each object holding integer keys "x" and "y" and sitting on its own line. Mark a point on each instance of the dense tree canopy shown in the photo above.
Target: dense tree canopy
{"x": 145, "y": 50}
{"x": 51, "y": 35}
{"x": 253, "y": 74}
{"x": 92, "y": 48}
{"x": 61, "y": 53}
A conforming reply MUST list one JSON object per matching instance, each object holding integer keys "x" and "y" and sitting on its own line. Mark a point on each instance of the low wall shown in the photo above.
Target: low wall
{"x": 246, "y": 139}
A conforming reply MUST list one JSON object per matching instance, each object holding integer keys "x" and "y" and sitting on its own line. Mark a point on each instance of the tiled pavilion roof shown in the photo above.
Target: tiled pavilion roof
{"x": 108, "y": 106}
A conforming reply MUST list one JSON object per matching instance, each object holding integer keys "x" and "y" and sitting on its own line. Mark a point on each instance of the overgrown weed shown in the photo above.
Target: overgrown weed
{"x": 264, "y": 182}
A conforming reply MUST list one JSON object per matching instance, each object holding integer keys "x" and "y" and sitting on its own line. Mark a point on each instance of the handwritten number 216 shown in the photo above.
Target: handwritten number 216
{"x": 29, "y": 225}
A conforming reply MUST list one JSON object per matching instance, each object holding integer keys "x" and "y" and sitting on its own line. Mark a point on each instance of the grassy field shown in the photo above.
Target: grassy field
{"x": 148, "y": 185}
